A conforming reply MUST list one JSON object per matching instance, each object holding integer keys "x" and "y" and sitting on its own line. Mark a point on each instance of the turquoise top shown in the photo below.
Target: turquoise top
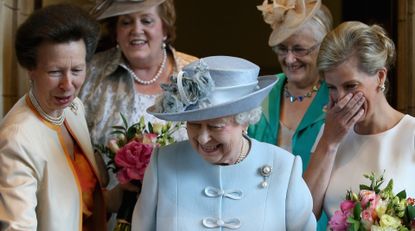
{"x": 304, "y": 137}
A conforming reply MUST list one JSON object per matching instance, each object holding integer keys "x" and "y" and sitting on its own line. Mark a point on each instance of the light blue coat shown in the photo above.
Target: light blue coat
{"x": 183, "y": 192}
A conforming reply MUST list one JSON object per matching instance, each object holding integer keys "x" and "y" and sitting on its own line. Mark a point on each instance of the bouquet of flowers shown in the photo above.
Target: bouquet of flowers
{"x": 375, "y": 209}
{"x": 129, "y": 154}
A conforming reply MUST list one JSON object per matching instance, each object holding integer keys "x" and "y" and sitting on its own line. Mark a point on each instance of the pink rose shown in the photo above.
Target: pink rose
{"x": 132, "y": 160}
{"x": 368, "y": 197}
{"x": 367, "y": 215}
{"x": 338, "y": 222}
{"x": 149, "y": 138}
{"x": 347, "y": 207}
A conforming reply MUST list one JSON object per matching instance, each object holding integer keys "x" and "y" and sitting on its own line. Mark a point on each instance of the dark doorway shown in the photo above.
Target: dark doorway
{"x": 383, "y": 13}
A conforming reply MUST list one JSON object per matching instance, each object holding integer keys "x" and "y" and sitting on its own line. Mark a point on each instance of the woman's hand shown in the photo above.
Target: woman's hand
{"x": 342, "y": 116}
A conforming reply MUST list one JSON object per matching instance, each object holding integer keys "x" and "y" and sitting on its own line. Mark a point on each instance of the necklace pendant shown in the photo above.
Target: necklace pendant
{"x": 299, "y": 98}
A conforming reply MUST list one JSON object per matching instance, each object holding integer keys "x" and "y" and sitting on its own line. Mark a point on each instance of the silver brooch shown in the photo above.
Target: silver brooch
{"x": 265, "y": 171}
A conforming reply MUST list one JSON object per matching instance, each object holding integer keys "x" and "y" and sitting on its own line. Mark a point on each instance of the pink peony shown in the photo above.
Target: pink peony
{"x": 132, "y": 159}
{"x": 338, "y": 222}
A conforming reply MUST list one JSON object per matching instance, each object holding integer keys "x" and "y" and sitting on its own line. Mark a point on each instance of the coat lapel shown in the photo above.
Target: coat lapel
{"x": 315, "y": 111}
{"x": 76, "y": 124}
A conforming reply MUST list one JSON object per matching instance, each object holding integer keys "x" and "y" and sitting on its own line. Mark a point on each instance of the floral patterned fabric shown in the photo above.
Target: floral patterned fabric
{"x": 109, "y": 90}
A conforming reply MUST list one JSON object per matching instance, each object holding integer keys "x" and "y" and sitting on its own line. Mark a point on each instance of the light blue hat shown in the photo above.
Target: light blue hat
{"x": 212, "y": 87}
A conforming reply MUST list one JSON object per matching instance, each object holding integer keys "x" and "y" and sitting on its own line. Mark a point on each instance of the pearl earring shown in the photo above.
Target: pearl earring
{"x": 382, "y": 87}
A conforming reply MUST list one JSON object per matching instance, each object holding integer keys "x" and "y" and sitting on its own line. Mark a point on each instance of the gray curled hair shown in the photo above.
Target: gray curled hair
{"x": 249, "y": 117}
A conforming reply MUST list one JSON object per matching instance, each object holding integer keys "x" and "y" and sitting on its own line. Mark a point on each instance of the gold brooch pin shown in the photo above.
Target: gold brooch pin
{"x": 74, "y": 108}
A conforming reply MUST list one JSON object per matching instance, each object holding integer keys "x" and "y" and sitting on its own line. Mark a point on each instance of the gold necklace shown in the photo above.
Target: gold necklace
{"x": 243, "y": 153}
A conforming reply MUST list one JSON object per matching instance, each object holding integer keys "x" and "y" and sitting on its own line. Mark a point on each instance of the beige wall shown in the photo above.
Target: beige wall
{"x": 13, "y": 79}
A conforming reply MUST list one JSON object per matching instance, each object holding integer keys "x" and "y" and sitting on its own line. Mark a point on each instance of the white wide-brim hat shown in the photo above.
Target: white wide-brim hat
{"x": 223, "y": 85}
{"x": 110, "y": 8}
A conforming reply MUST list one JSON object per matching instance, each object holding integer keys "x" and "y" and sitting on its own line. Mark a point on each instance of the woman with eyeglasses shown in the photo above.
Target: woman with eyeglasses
{"x": 293, "y": 112}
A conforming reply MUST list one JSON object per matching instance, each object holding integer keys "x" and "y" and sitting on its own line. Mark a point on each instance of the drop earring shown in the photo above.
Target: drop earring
{"x": 163, "y": 43}
{"x": 382, "y": 87}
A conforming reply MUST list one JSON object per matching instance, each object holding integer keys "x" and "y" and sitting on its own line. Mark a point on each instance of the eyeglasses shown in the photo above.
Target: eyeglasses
{"x": 296, "y": 51}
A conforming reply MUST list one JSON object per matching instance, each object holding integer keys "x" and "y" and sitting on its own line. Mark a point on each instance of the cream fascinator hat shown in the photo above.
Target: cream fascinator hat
{"x": 212, "y": 87}
{"x": 286, "y": 17}
{"x": 110, "y": 8}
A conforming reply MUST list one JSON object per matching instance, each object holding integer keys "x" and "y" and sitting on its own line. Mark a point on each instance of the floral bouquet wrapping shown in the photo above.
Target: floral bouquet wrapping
{"x": 129, "y": 156}
{"x": 375, "y": 209}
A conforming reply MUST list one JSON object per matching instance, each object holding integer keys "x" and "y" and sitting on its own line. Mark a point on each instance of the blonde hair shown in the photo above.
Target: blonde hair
{"x": 370, "y": 45}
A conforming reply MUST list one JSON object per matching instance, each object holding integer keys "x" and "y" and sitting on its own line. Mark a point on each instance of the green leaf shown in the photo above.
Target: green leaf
{"x": 150, "y": 127}
{"x": 356, "y": 211}
{"x": 411, "y": 211}
{"x": 124, "y": 120}
{"x": 355, "y": 226}
{"x": 401, "y": 195}
{"x": 117, "y": 132}
{"x": 389, "y": 187}
{"x": 131, "y": 133}
{"x": 119, "y": 128}
{"x": 364, "y": 187}
{"x": 138, "y": 127}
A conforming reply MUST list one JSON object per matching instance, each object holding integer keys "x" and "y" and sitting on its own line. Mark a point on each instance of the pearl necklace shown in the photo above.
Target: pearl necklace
{"x": 300, "y": 98}
{"x": 54, "y": 120}
{"x": 158, "y": 74}
{"x": 243, "y": 153}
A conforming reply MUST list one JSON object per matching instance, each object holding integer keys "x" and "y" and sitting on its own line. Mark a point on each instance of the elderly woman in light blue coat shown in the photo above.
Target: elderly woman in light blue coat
{"x": 220, "y": 179}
